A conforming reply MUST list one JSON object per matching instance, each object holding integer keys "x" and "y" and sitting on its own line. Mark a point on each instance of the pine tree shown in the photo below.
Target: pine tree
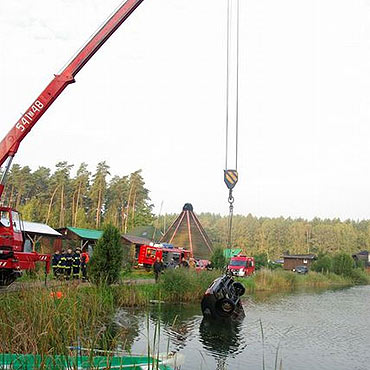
{"x": 106, "y": 263}
{"x": 98, "y": 192}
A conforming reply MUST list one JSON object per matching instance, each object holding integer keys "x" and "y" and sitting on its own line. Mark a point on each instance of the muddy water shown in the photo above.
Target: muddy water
{"x": 316, "y": 330}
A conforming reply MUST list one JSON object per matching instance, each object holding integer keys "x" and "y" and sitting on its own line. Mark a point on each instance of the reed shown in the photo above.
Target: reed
{"x": 280, "y": 280}
{"x": 43, "y": 321}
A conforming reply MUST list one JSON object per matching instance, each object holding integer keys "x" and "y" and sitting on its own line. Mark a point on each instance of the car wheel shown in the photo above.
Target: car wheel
{"x": 225, "y": 307}
{"x": 239, "y": 288}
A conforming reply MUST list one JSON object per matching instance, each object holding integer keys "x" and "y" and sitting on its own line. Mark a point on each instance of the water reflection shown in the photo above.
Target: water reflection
{"x": 221, "y": 337}
{"x": 331, "y": 328}
{"x": 127, "y": 325}
{"x": 179, "y": 324}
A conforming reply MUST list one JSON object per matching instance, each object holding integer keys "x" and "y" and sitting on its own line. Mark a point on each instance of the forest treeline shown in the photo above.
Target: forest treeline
{"x": 276, "y": 236}
{"x": 87, "y": 200}
{"x": 92, "y": 200}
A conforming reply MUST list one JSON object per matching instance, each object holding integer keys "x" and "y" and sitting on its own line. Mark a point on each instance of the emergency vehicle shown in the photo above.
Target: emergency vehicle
{"x": 148, "y": 255}
{"x": 241, "y": 265}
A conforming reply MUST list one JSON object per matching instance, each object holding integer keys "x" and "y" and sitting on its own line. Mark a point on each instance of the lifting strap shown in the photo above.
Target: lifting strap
{"x": 232, "y": 110}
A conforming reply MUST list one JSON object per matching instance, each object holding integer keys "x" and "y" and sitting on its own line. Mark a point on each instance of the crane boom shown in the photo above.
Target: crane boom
{"x": 9, "y": 145}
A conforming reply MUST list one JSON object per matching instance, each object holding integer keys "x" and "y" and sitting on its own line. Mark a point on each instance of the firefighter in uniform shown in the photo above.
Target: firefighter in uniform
{"x": 55, "y": 263}
{"x": 84, "y": 260}
{"x": 62, "y": 264}
{"x": 68, "y": 264}
{"x": 76, "y": 264}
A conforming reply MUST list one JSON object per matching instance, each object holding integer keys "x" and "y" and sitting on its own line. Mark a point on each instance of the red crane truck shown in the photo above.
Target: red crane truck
{"x": 13, "y": 257}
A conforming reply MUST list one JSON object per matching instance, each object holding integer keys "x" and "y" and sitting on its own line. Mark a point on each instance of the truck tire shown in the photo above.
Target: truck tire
{"x": 239, "y": 288}
{"x": 7, "y": 277}
{"x": 225, "y": 307}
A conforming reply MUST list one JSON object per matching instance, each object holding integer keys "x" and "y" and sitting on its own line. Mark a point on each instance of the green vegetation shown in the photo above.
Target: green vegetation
{"x": 106, "y": 263}
{"x": 85, "y": 200}
{"x": 287, "y": 281}
{"x": 341, "y": 264}
{"x": 218, "y": 259}
{"x": 44, "y": 321}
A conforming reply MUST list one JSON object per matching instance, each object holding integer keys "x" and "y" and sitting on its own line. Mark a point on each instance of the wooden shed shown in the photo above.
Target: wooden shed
{"x": 85, "y": 239}
{"x": 40, "y": 237}
{"x": 292, "y": 261}
{"x": 135, "y": 242}
{"x": 363, "y": 256}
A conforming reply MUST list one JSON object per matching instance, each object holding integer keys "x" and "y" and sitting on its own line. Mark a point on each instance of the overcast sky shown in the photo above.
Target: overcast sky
{"x": 154, "y": 98}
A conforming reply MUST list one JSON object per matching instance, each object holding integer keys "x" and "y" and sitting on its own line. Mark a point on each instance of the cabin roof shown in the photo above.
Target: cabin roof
{"x": 136, "y": 239}
{"x": 86, "y": 233}
{"x": 300, "y": 256}
{"x": 38, "y": 228}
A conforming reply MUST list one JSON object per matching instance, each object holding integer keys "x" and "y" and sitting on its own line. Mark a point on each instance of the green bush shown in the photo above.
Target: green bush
{"x": 260, "y": 260}
{"x": 323, "y": 264}
{"x": 343, "y": 264}
{"x": 106, "y": 263}
{"x": 218, "y": 259}
{"x": 359, "y": 276}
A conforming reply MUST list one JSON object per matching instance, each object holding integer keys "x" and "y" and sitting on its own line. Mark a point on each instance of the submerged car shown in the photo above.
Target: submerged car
{"x": 222, "y": 298}
{"x": 301, "y": 269}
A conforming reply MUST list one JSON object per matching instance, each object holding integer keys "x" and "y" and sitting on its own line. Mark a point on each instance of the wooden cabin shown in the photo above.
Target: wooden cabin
{"x": 85, "y": 239}
{"x": 363, "y": 256}
{"x": 292, "y": 261}
{"x": 40, "y": 237}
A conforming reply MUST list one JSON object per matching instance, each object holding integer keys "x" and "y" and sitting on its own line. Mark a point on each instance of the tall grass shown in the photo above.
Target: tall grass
{"x": 280, "y": 280}
{"x": 186, "y": 285}
{"x": 43, "y": 321}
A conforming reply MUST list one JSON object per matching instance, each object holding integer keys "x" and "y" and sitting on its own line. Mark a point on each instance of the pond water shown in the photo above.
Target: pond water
{"x": 315, "y": 330}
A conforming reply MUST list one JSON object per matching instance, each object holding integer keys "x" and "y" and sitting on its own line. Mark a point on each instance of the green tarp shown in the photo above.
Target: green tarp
{"x": 86, "y": 233}
{"x": 228, "y": 253}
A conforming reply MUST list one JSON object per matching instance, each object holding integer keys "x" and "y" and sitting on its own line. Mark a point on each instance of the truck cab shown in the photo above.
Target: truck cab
{"x": 241, "y": 265}
{"x": 11, "y": 237}
{"x": 14, "y": 257}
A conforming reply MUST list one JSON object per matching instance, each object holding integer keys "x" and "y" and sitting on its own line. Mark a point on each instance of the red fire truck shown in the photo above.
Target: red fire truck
{"x": 148, "y": 255}
{"x": 241, "y": 265}
{"x": 13, "y": 256}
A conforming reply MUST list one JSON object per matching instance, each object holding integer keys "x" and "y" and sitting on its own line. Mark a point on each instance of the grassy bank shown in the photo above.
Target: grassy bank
{"x": 46, "y": 321}
{"x": 43, "y": 320}
{"x": 280, "y": 280}
{"x": 181, "y": 286}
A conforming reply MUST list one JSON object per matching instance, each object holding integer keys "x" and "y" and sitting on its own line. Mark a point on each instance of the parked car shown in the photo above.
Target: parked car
{"x": 222, "y": 298}
{"x": 301, "y": 269}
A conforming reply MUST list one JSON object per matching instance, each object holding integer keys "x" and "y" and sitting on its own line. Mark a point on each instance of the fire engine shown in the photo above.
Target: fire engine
{"x": 148, "y": 255}
{"x": 241, "y": 265}
{"x": 13, "y": 256}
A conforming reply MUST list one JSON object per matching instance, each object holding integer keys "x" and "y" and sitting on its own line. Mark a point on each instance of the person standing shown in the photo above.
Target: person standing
{"x": 68, "y": 264}
{"x": 55, "y": 263}
{"x": 62, "y": 265}
{"x": 76, "y": 264}
{"x": 84, "y": 260}
{"x": 157, "y": 267}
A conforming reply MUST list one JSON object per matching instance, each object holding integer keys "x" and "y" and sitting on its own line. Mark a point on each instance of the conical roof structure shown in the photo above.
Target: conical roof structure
{"x": 187, "y": 232}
